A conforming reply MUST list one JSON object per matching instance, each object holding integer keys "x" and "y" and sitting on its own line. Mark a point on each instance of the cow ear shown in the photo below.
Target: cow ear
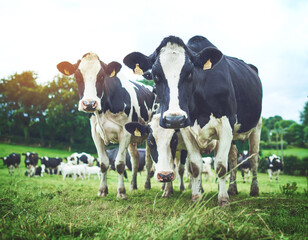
{"x": 136, "y": 129}
{"x": 67, "y": 68}
{"x": 208, "y": 58}
{"x": 113, "y": 68}
{"x": 138, "y": 62}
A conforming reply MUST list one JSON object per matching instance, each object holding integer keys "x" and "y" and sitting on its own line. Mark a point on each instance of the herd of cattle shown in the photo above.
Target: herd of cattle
{"x": 202, "y": 100}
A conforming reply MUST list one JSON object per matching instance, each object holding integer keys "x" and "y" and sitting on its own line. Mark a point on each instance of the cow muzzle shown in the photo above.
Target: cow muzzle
{"x": 89, "y": 105}
{"x": 178, "y": 121}
{"x": 165, "y": 176}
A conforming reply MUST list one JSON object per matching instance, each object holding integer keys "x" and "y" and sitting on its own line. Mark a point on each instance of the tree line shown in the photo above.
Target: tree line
{"x": 47, "y": 115}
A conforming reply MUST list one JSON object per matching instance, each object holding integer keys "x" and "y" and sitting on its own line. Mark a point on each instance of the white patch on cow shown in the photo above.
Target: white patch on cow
{"x": 172, "y": 59}
{"x": 162, "y": 137}
{"x": 89, "y": 68}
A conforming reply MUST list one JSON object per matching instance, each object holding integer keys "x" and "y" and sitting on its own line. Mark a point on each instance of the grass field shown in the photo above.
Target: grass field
{"x": 50, "y": 208}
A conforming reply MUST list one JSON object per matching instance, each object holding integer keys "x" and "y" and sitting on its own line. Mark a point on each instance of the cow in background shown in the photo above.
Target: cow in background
{"x": 244, "y": 165}
{"x": 51, "y": 164}
{"x": 207, "y": 95}
{"x": 31, "y": 161}
{"x": 12, "y": 161}
{"x": 206, "y": 168}
{"x": 112, "y": 101}
{"x": 274, "y": 167}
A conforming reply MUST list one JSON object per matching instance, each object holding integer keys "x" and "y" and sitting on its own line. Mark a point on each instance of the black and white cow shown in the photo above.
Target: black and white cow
{"x": 274, "y": 166}
{"x": 51, "y": 164}
{"x": 12, "y": 161}
{"x": 113, "y": 101}
{"x": 244, "y": 165}
{"x": 206, "y": 95}
{"x": 165, "y": 145}
{"x": 85, "y": 158}
{"x": 31, "y": 161}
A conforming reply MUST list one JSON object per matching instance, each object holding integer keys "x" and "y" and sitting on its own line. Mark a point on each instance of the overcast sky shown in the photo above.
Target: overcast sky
{"x": 273, "y": 35}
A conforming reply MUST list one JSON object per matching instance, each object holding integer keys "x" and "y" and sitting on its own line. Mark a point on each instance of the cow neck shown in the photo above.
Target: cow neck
{"x": 100, "y": 121}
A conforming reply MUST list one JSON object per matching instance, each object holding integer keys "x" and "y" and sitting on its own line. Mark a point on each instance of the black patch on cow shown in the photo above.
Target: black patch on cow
{"x": 115, "y": 98}
{"x": 153, "y": 147}
{"x": 183, "y": 157}
{"x": 198, "y": 43}
{"x": 100, "y": 82}
{"x": 173, "y": 144}
{"x": 80, "y": 83}
{"x": 145, "y": 100}
{"x": 135, "y": 116}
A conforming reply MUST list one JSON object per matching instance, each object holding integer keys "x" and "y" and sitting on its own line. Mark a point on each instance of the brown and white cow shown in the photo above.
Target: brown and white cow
{"x": 112, "y": 100}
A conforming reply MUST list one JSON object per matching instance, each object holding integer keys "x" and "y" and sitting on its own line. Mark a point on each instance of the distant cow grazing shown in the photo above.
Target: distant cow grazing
{"x": 85, "y": 158}
{"x": 12, "y": 161}
{"x": 206, "y": 168}
{"x": 112, "y": 101}
{"x": 207, "y": 95}
{"x": 274, "y": 166}
{"x": 244, "y": 166}
{"x": 51, "y": 164}
{"x": 31, "y": 160}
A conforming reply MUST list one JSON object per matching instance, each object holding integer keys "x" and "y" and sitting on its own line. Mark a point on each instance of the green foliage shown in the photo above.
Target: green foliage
{"x": 289, "y": 189}
{"x": 304, "y": 115}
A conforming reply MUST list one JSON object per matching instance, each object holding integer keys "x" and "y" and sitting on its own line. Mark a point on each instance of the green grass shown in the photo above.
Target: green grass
{"x": 50, "y": 208}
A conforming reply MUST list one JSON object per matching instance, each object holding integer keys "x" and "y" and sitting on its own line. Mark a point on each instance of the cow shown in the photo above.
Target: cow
{"x": 206, "y": 168}
{"x": 12, "y": 161}
{"x": 39, "y": 171}
{"x": 85, "y": 158}
{"x": 31, "y": 161}
{"x": 112, "y": 101}
{"x": 93, "y": 170}
{"x": 51, "y": 163}
{"x": 244, "y": 165}
{"x": 164, "y": 145}
{"x": 207, "y": 95}
{"x": 274, "y": 166}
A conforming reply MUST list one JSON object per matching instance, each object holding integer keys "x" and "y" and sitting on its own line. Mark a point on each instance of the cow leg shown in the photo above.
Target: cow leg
{"x": 248, "y": 175}
{"x": 102, "y": 155}
{"x": 134, "y": 156}
{"x": 124, "y": 140}
{"x": 194, "y": 164}
{"x": 148, "y": 165}
{"x": 224, "y": 132}
{"x": 254, "y": 142}
{"x": 277, "y": 175}
{"x": 181, "y": 174}
{"x": 233, "y": 162}
{"x": 270, "y": 174}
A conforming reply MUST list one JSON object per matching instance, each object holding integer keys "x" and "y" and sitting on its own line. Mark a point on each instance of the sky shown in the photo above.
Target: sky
{"x": 36, "y": 35}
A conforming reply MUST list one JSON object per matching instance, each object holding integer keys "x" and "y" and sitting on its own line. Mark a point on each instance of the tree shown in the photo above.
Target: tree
{"x": 304, "y": 115}
{"x": 18, "y": 94}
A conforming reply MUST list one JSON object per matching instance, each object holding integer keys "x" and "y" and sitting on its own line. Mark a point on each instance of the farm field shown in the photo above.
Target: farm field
{"x": 50, "y": 208}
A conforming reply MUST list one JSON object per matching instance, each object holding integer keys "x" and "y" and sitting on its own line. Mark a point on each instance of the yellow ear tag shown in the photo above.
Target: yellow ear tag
{"x": 207, "y": 65}
{"x": 113, "y": 73}
{"x": 138, "y": 70}
{"x": 66, "y": 72}
{"x": 137, "y": 133}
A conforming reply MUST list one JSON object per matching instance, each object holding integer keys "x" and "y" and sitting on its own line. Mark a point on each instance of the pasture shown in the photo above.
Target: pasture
{"x": 50, "y": 208}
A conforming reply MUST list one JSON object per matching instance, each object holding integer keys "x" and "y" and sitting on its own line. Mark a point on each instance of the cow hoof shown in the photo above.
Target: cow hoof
{"x": 182, "y": 188}
{"x": 147, "y": 185}
{"x": 224, "y": 202}
{"x": 121, "y": 193}
{"x": 103, "y": 192}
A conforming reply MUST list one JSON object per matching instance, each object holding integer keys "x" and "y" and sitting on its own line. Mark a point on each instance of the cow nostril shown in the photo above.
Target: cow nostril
{"x": 175, "y": 121}
{"x": 165, "y": 176}
{"x": 89, "y": 105}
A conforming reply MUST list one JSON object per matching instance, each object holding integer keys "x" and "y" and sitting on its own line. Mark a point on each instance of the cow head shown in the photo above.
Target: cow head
{"x": 90, "y": 73}
{"x": 162, "y": 143}
{"x": 175, "y": 70}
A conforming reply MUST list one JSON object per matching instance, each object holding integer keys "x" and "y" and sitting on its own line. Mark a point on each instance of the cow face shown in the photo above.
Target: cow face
{"x": 90, "y": 73}
{"x": 175, "y": 71}
{"x": 162, "y": 143}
